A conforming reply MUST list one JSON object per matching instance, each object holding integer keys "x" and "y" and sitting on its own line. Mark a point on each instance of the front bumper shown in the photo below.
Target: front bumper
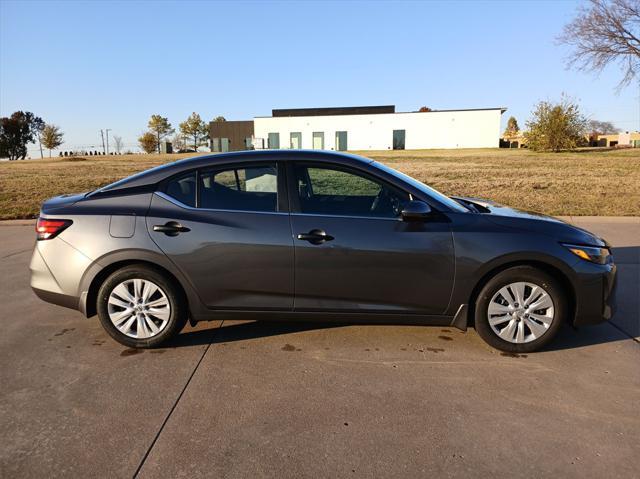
{"x": 595, "y": 291}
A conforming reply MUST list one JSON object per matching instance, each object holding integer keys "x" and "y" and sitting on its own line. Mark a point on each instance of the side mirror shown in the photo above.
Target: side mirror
{"x": 415, "y": 211}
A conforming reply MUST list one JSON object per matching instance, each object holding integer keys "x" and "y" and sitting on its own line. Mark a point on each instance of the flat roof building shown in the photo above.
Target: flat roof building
{"x": 367, "y": 128}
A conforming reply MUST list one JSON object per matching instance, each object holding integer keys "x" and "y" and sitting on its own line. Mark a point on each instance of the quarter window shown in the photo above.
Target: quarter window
{"x": 333, "y": 191}
{"x": 183, "y": 189}
{"x": 246, "y": 188}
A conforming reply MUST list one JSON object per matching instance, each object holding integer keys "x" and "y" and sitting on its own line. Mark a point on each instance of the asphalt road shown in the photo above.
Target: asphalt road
{"x": 247, "y": 399}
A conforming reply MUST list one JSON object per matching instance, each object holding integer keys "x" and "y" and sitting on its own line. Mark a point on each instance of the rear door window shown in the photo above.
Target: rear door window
{"x": 242, "y": 188}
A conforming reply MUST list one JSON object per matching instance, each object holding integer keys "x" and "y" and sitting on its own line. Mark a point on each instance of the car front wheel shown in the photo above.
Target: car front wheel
{"x": 140, "y": 307}
{"x": 520, "y": 309}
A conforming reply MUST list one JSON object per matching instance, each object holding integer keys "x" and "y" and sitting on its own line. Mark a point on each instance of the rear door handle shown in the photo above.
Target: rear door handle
{"x": 171, "y": 228}
{"x": 315, "y": 236}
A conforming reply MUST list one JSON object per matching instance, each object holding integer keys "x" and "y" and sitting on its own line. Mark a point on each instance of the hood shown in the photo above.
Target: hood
{"x": 57, "y": 202}
{"x": 530, "y": 221}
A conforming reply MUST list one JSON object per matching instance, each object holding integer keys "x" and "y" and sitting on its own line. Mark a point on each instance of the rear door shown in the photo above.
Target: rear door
{"x": 354, "y": 254}
{"x": 227, "y": 228}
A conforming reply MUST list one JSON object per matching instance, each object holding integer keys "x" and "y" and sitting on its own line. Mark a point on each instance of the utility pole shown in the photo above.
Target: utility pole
{"x": 108, "y": 130}
{"x": 102, "y": 135}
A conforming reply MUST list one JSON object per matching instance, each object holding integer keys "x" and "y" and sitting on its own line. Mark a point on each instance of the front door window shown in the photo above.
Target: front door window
{"x": 332, "y": 191}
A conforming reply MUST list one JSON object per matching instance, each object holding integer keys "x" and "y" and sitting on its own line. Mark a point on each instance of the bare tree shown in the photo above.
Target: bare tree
{"x": 606, "y": 32}
{"x": 595, "y": 127}
{"x": 118, "y": 142}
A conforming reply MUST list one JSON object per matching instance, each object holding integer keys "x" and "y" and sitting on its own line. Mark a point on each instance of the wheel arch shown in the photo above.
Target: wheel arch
{"x": 550, "y": 269}
{"x": 99, "y": 272}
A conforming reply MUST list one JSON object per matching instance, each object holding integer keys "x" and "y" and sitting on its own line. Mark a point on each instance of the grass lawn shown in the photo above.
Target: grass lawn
{"x": 588, "y": 182}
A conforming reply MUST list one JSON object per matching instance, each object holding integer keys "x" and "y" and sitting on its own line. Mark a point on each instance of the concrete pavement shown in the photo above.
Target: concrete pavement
{"x": 278, "y": 399}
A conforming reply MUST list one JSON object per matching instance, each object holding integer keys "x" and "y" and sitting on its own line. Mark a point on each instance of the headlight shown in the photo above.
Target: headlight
{"x": 590, "y": 253}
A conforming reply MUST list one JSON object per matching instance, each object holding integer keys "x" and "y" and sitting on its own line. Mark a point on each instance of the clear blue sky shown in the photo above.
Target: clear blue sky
{"x": 91, "y": 65}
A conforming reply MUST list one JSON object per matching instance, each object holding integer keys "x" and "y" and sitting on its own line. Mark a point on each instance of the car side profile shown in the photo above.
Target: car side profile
{"x": 304, "y": 235}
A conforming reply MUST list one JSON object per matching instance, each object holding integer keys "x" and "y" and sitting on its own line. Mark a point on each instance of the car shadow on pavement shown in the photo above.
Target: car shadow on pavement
{"x": 568, "y": 337}
{"x": 245, "y": 331}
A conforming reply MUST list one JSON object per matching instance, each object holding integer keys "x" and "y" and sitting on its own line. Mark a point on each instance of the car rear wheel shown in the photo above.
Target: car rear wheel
{"x": 520, "y": 309}
{"x": 140, "y": 307}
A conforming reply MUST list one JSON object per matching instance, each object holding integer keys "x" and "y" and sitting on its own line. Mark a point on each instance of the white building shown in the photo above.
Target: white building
{"x": 377, "y": 128}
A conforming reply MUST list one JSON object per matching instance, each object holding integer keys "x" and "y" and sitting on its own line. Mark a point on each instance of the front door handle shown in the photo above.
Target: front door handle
{"x": 315, "y": 237}
{"x": 171, "y": 228}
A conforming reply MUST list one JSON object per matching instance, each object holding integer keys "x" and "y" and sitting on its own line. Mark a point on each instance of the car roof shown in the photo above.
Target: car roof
{"x": 159, "y": 173}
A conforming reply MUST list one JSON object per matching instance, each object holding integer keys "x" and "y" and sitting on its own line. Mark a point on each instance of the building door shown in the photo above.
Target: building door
{"x": 318, "y": 140}
{"x": 224, "y": 144}
{"x": 341, "y": 141}
{"x": 273, "y": 142}
{"x": 398, "y": 139}
{"x": 296, "y": 140}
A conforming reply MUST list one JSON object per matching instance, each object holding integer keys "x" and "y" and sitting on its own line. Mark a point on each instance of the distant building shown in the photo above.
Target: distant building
{"x": 361, "y": 128}
{"x": 626, "y": 139}
{"x": 621, "y": 140}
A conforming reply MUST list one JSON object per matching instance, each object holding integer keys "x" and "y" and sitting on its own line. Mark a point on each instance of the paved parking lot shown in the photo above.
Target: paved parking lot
{"x": 243, "y": 399}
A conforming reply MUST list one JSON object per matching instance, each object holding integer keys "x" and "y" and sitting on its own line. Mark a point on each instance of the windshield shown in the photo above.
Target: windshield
{"x": 454, "y": 205}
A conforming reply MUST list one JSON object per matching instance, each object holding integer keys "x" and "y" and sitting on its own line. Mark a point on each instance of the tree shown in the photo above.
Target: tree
{"x": 195, "y": 129}
{"x": 118, "y": 142}
{"x": 16, "y": 131}
{"x": 161, "y": 127}
{"x": 219, "y": 118}
{"x": 51, "y": 137}
{"x": 148, "y": 142}
{"x": 606, "y": 32}
{"x": 178, "y": 142}
{"x": 556, "y": 127}
{"x": 424, "y": 109}
{"x": 595, "y": 128}
{"x": 512, "y": 130}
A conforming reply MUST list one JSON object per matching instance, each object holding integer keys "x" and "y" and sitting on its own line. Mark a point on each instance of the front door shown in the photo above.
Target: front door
{"x": 234, "y": 244}
{"x": 354, "y": 254}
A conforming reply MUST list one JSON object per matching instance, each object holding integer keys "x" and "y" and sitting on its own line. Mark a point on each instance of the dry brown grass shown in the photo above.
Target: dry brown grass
{"x": 589, "y": 182}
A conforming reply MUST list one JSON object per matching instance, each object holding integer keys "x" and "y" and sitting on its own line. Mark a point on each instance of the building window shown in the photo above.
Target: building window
{"x": 273, "y": 141}
{"x": 318, "y": 140}
{"x": 341, "y": 140}
{"x": 398, "y": 139}
{"x": 295, "y": 140}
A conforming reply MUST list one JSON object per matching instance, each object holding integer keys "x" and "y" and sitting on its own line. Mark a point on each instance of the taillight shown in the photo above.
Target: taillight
{"x": 47, "y": 229}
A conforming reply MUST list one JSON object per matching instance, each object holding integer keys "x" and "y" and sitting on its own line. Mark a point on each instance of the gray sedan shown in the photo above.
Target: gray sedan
{"x": 306, "y": 235}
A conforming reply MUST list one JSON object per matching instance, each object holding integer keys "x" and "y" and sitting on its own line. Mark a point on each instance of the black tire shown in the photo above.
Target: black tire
{"x": 179, "y": 310}
{"x": 527, "y": 274}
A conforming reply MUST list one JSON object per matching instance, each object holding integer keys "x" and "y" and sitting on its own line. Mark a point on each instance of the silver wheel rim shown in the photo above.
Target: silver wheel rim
{"x": 520, "y": 312}
{"x": 139, "y": 308}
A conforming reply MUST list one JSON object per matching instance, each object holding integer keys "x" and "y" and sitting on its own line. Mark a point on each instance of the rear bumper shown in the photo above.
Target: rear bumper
{"x": 595, "y": 294}
{"x": 61, "y": 288}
